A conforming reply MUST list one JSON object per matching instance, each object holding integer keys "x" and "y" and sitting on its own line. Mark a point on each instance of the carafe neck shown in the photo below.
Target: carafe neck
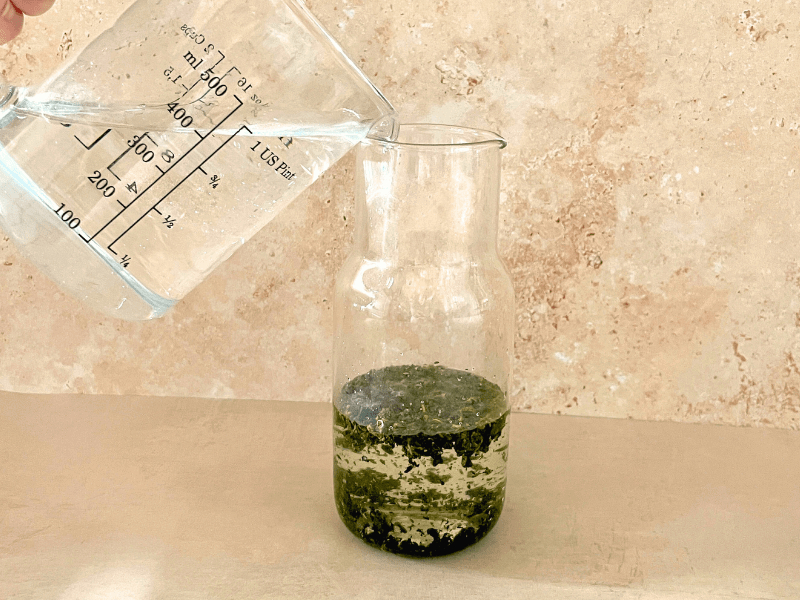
{"x": 429, "y": 198}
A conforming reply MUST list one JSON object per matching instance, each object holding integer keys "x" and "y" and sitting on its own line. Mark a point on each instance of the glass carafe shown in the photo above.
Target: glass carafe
{"x": 424, "y": 317}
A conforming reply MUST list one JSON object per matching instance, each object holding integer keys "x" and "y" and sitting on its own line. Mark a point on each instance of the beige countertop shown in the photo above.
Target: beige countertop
{"x": 132, "y": 498}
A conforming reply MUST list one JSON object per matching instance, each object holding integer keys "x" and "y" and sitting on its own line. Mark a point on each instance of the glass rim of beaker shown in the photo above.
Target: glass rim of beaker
{"x": 481, "y": 137}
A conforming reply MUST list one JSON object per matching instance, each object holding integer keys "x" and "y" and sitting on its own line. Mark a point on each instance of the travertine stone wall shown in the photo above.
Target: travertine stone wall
{"x": 650, "y": 214}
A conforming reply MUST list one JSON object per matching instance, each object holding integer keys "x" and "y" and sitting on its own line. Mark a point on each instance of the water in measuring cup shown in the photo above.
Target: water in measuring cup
{"x": 163, "y": 145}
{"x": 139, "y": 215}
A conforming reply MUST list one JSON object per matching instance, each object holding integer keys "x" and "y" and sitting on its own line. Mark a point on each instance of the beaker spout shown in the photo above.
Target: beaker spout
{"x": 385, "y": 129}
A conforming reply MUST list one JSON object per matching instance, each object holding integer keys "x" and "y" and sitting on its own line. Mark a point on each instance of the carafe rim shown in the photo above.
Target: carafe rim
{"x": 434, "y": 135}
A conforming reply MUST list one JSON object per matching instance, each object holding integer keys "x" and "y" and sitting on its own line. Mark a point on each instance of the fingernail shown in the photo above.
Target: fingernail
{"x": 7, "y": 10}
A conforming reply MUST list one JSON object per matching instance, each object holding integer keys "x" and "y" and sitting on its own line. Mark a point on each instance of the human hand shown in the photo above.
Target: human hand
{"x": 12, "y": 14}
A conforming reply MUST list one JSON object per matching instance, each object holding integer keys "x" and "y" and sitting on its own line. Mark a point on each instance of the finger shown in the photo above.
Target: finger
{"x": 33, "y": 8}
{"x": 10, "y": 21}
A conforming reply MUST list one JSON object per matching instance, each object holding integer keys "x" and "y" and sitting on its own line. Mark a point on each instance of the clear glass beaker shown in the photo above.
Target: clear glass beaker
{"x": 178, "y": 133}
{"x": 424, "y": 317}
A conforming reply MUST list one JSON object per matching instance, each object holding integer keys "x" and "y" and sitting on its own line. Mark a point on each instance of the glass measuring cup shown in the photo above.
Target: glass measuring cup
{"x": 146, "y": 161}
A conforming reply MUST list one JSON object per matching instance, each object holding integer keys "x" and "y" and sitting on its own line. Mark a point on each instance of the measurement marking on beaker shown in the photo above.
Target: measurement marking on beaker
{"x": 189, "y": 89}
{"x": 119, "y": 158}
{"x": 189, "y": 151}
{"x": 184, "y": 155}
{"x": 192, "y": 172}
{"x": 207, "y": 72}
{"x": 90, "y": 146}
{"x": 219, "y": 61}
{"x": 210, "y": 156}
{"x": 209, "y": 77}
{"x": 134, "y": 147}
